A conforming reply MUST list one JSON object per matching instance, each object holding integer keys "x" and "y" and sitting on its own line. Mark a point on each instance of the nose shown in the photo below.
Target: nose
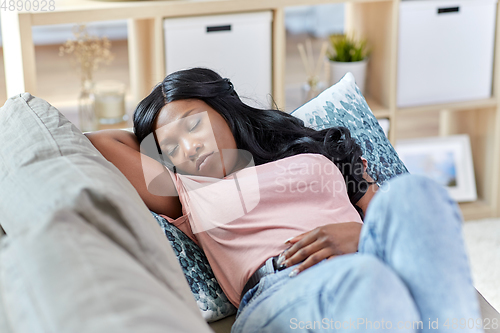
{"x": 191, "y": 148}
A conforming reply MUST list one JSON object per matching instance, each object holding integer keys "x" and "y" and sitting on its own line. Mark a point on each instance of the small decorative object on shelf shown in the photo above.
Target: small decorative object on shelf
{"x": 110, "y": 102}
{"x": 348, "y": 55}
{"x": 313, "y": 85}
{"x": 447, "y": 160}
{"x": 86, "y": 112}
{"x": 88, "y": 52}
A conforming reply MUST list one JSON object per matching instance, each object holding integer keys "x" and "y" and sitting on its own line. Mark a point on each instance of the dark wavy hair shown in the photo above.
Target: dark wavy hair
{"x": 269, "y": 135}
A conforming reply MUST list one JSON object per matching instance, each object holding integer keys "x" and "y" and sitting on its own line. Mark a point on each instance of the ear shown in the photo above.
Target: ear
{"x": 365, "y": 164}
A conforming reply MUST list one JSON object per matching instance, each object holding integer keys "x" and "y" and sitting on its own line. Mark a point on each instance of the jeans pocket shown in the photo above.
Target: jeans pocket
{"x": 251, "y": 295}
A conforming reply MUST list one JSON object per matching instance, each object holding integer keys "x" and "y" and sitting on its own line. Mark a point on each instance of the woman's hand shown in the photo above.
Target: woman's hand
{"x": 321, "y": 243}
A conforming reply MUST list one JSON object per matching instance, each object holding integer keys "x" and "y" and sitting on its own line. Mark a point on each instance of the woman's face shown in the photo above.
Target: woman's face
{"x": 196, "y": 139}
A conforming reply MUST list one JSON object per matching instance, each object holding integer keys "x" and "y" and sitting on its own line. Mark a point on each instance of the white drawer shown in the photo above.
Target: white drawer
{"x": 237, "y": 46}
{"x": 445, "y": 51}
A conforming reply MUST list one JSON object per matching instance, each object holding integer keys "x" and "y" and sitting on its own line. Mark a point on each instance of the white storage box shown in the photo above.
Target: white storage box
{"x": 237, "y": 46}
{"x": 445, "y": 51}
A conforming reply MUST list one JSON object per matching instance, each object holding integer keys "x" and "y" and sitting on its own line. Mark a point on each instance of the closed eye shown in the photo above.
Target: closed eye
{"x": 195, "y": 125}
{"x": 172, "y": 151}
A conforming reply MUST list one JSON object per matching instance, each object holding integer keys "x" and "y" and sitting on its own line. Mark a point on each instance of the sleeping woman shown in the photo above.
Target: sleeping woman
{"x": 297, "y": 233}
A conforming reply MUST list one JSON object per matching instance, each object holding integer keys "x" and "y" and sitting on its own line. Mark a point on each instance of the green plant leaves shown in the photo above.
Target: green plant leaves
{"x": 347, "y": 49}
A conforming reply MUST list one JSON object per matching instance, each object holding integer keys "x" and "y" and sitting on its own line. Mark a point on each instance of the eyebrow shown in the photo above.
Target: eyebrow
{"x": 183, "y": 116}
{"x": 186, "y": 114}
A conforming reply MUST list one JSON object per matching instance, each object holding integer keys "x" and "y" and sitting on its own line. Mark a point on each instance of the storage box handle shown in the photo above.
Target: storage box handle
{"x": 216, "y": 28}
{"x": 448, "y": 10}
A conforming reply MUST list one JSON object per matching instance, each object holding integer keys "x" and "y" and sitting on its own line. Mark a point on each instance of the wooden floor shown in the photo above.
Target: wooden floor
{"x": 58, "y": 82}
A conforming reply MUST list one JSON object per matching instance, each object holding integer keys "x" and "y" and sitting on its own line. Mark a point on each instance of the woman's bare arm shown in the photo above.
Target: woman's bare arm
{"x": 122, "y": 149}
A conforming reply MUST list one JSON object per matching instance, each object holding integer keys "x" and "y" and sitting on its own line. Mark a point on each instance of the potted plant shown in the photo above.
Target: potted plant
{"x": 348, "y": 55}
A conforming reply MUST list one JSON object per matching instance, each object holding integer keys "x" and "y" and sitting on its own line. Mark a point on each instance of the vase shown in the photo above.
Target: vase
{"x": 86, "y": 107}
{"x": 357, "y": 68}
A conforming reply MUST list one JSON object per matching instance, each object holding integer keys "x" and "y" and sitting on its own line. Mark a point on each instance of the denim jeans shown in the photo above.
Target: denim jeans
{"x": 410, "y": 274}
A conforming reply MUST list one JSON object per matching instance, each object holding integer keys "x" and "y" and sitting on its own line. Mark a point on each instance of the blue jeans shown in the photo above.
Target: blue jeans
{"x": 411, "y": 274}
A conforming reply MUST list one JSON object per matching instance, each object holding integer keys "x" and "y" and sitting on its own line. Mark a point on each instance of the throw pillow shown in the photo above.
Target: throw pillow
{"x": 211, "y": 300}
{"x": 343, "y": 105}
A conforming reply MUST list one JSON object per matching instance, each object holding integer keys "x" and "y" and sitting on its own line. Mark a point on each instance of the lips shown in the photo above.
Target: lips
{"x": 202, "y": 159}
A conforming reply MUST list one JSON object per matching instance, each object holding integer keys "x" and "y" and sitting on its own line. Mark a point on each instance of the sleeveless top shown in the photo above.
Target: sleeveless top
{"x": 244, "y": 218}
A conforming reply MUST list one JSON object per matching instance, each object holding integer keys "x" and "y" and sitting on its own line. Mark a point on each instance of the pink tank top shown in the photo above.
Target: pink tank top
{"x": 245, "y": 218}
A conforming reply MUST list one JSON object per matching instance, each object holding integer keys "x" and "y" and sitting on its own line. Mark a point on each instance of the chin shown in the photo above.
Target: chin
{"x": 214, "y": 170}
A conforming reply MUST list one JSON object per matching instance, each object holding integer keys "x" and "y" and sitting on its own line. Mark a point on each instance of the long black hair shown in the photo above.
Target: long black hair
{"x": 269, "y": 135}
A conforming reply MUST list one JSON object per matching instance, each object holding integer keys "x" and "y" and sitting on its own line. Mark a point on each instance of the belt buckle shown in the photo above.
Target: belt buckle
{"x": 275, "y": 264}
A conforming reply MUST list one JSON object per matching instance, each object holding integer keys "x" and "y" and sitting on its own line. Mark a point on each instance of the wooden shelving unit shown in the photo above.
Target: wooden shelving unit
{"x": 477, "y": 104}
{"x": 377, "y": 20}
{"x": 480, "y": 119}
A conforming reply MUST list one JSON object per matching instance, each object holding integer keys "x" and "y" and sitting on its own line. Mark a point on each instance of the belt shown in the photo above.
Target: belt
{"x": 269, "y": 267}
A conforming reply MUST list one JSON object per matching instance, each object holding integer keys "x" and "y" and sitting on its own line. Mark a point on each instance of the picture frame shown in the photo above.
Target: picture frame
{"x": 447, "y": 160}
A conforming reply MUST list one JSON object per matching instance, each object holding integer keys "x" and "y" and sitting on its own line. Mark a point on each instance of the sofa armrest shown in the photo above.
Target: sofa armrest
{"x": 82, "y": 250}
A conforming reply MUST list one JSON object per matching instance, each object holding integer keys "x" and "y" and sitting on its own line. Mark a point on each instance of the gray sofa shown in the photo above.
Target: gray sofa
{"x": 82, "y": 252}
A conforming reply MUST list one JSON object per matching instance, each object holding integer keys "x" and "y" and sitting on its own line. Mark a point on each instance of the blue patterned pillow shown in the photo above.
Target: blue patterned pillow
{"x": 343, "y": 105}
{"x": 209, "y": 296}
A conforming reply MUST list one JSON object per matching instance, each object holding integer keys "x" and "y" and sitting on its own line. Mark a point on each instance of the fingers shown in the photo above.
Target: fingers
{"x": 321, "y": 243}
{"x": 311, "y": 261}
{"x": 305, "y": 249}
{"x": 293, "y": 240}
{"x": 305, "y": 240}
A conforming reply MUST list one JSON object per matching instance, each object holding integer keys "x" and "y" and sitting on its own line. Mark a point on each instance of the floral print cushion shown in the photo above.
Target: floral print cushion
{"x": 343, "y": 105}
{"x": 209, "y": 296}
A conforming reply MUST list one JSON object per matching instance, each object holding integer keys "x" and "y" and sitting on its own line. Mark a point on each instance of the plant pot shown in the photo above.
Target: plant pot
{"x": 357, "y": 68}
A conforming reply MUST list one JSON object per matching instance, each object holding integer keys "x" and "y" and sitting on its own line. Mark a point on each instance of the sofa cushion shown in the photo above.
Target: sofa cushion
{"x": 82, "y": 251}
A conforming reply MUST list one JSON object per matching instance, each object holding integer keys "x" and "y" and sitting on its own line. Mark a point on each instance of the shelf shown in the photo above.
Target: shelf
{"x": 457, "y": 106}
{"x": 476, "y": 210}
{"x": 379, "y": 111}
{"x": 68, "y": 11}
{"x": 69, "y": 108}
{"x": 293, "y": 95}
{"x": 376, "y": 20}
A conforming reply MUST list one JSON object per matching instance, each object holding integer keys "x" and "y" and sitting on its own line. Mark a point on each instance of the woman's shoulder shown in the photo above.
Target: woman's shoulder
{"x": 301, "y": 165}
